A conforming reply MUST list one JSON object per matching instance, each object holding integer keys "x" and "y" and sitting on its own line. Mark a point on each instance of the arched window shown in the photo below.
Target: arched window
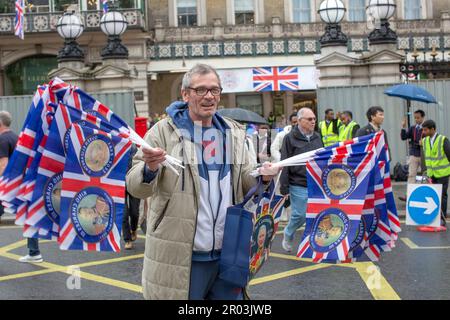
{"x": 23, "y": 76}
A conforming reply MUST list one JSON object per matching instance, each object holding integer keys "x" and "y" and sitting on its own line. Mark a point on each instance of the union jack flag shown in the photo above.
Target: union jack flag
{"x": 332, "y": 217}
{"x": 18, "y": 21}
{"x": 275, "y": 79}
{"x": 30, "y": 138}
{"x": 95, "y": 228}
{"x": 41, "y": 213}
{"x": 105, "y": 6}
{"x": 368, "y": 209}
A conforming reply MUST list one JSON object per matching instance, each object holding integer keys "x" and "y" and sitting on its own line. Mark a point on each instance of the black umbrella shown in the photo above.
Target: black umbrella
{"x": 242, "y": 115}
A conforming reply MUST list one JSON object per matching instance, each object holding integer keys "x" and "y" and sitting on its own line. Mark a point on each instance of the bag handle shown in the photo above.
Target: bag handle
{"x": 256, "y": 189}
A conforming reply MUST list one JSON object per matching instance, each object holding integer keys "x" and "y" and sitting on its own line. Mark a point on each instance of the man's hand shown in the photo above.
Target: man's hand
{"x": 404, "y": 123}
{"x": 268, "y": 171}
{"x": 153, "y": 158}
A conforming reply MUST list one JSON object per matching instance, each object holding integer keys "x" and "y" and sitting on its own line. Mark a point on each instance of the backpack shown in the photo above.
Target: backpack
{"x": 400, "y": 172}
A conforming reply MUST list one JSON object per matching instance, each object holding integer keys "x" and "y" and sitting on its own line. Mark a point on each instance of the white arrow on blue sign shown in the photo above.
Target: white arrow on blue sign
{"x": 424, "y": 203}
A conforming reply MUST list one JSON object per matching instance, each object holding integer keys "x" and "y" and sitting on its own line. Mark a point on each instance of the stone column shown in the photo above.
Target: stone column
{"x": 335, "y": 66}
{"x": 2, "y": 81}
{"x": 289, "y": 104}
{"x": 267, "y": 103}
{"x": 231, "y": 100}
{"x": 159, "y": 31}
{"x": 218, "y": 29}
{"x": 445, "y": 21}
{"x": 277, "y": 28}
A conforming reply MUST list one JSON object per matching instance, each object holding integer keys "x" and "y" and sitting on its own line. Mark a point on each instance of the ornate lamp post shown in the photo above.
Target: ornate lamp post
{"x": 382, "y": 10}
{"x": 332, "y": 12}
{"x": 70, "y": 27}
{"x": 113, "y": 24}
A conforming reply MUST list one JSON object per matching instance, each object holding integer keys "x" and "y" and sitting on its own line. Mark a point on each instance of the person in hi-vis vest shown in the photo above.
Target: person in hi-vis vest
{"x": 329, "y": 128}
{"x": 348, "y": 127}
{"x": 436, "y": 150}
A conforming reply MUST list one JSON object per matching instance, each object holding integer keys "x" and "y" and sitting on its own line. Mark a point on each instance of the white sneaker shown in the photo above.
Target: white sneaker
{"x": 287, "y": 245}
{"x": 31, "y": 259}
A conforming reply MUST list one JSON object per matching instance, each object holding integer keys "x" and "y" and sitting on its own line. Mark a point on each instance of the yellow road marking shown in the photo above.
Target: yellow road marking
{"x": 31, "y": 274}
{"x": 64, "y": 269}
{"x": 409, "y": 243}
{"x": 10, "y": 227}
{"x": 111, "y": 282}
{"x": 141, "y": 236}
{"x": 57, "y": 268}
{"x": 412, "y": 245}
{"x": 107, "y": 261}
{"x": 377, "y": 284}
{"x": 384, "y": 292}
{"x": 285, "y": 274}
{"x": 288, "y": 257}
{"x": 18, "y": 244}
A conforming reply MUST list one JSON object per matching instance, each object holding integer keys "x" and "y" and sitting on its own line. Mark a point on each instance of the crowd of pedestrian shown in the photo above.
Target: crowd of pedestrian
{"x": 186, "y": 214}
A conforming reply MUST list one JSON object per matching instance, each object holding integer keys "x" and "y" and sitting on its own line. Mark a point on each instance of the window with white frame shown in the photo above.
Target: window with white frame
{"x": 356, "y": 10}
{"x": 412, "y": 9}
{"x": 301, "y": 11}
{"x": 187, "y": 12}
{"x": 244, "y": 12}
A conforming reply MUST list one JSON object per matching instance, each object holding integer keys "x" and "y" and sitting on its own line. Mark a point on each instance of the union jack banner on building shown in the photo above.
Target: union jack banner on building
{"x": 18, "y": 20}
{"x": 275, "y": 79}
{"x": 93, "y": 190}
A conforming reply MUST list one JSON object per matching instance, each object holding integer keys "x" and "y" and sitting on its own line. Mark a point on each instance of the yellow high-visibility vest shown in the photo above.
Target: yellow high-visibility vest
{"x": 328, "y": 136}
{"x": 436, "y": 160}
{"x": 345, "y": 131}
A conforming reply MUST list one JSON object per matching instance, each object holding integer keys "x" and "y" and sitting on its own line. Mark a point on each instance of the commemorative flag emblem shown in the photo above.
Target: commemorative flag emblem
{"x": 45, "y": 208}
{"x": 93, "y": 190}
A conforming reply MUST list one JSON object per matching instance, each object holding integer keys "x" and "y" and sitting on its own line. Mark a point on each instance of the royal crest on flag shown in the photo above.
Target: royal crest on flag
{"x": 45, "y": 206}
{"x": 93, "y": 190}
{"x": 337, "y": 185}
{"x": 275, "y": 79}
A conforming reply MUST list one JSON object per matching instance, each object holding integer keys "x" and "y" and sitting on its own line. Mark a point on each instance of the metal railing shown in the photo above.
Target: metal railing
{"x": 46, "y": 21}
{"x": 268, "y": 30}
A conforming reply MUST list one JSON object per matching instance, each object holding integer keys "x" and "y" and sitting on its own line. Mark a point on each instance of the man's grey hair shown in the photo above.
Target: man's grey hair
{"x": 5, "y": 118}
{"x": 198, "y": 69}
{"x": 302, "y": 111}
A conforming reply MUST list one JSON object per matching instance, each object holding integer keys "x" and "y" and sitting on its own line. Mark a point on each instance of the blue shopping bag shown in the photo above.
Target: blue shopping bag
{"x": 238, "y": 230}
{"x": 242, "y": 253}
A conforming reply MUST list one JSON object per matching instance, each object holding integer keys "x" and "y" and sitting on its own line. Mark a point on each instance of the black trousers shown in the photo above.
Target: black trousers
{"x": 130, "y": 216}
{"x": 444, "y": 182}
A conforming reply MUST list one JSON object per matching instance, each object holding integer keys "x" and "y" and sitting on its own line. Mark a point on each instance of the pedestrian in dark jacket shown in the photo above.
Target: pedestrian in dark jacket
{"x": 375, "y": 115}
{"x": 131, "y": 211}
{"x": 414, "y": 135}
{"x": 300, "y": 139}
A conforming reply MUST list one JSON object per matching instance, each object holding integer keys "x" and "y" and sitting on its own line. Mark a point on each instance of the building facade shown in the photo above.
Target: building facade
{"x": 250, "y": 42}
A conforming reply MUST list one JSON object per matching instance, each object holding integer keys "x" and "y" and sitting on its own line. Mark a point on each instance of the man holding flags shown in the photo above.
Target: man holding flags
{"x": 187, "y": 212}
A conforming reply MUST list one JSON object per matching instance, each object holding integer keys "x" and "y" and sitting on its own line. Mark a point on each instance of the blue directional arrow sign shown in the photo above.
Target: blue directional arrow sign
{"x": 424, "y": 205}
